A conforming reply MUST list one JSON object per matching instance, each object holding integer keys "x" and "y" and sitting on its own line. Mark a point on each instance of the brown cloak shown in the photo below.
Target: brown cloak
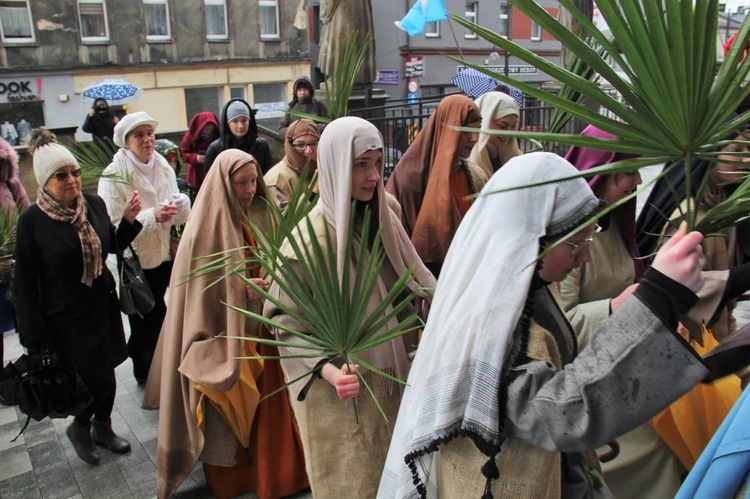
{"x": 421, "y": 179}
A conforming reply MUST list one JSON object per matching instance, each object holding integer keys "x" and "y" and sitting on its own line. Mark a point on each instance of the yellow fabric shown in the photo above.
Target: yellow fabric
{"x": 689, "y": 423}
{"x": 237, "y": 405}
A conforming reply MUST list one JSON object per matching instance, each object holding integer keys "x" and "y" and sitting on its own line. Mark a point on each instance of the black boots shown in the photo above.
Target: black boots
{"x": 102, "y": 434}
{"x": 80, "y": 435}
{"x": 84, "y": 436}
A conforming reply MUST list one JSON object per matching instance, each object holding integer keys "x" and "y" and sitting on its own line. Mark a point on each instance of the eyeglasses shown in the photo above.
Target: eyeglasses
{"x": 578, "y": 247}
{"x": 63, "y": 176}
{"x": 301, "y": 146}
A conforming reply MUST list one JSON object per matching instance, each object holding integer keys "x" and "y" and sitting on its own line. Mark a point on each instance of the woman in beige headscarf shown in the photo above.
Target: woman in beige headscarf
{"x": 196, "y": 366}
{"x": 301, "y": 151}
{"x": 499, "y": 112}
{"x": 345, "y": 458}
{"x": 434, "y": 179}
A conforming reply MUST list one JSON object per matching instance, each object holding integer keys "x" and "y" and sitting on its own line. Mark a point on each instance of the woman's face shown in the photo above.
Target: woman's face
{"x": 239, "y": 126}
{"x": 63, "y": 186}
{"x": 727, "y": 173}
{"x": 208, "y": 129}
{"x": 307, "y": 145}
{"x": 506, "y": 123}
{"x": 174, "y": 163}
{"x": 244, "y": 182}
{"x": 366, "y": 171}
{"x": 141, "y": 142}
{"x": 467, "y": 140}
{"x": 564, "y": 257}
{"x": 619, "y": 185}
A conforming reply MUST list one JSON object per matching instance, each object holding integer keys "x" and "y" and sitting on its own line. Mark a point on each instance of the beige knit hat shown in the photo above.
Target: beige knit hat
{"x": 49, "y": 156}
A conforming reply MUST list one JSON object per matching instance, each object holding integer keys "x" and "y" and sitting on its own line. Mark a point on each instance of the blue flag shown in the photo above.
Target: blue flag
{"x": 424, "y": 11}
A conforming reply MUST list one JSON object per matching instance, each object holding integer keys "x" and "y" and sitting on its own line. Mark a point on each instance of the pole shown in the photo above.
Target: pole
{"x": 508, "y": 34}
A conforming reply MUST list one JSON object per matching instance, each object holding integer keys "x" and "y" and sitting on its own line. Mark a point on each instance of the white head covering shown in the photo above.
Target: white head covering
{"x": 343, "y": 140}
{"x": 493, "y": 106}
{"x": 128, "y": 123}
{"x": 457, "y": 379}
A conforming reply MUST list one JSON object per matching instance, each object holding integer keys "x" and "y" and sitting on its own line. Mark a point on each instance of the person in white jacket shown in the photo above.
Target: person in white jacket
{"x": 136, "y": 167}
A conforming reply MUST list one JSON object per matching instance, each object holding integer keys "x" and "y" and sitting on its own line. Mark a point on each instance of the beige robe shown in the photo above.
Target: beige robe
{"x": 193, "y": 345}
{"x": 329, "y": 432}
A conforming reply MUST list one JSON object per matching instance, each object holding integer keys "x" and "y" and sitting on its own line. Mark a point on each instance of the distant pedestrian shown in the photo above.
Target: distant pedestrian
{"x": 301, "y": 147}
{"x": 13, "y": 200}
{"x": 434, "y": 179}
{"x": 499, "y": 112}
{"x": 100, "y": 121}
{"x": 239, "y": 131}
{"x": 202, "y": 131}
{"x": 304, "y": 101}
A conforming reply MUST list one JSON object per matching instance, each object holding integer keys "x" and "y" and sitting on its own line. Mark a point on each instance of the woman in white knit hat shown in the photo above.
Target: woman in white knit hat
{"x": 65, "y": 294}
{"x": 136, "y": 167}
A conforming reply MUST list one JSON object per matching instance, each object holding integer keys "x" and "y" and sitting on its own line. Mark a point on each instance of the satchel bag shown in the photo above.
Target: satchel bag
{"x": 44, "y": 389}
{"x": 135, "y": 294}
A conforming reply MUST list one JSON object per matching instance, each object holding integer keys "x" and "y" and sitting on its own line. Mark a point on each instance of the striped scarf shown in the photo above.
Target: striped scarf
{"x": 90, "y": 244}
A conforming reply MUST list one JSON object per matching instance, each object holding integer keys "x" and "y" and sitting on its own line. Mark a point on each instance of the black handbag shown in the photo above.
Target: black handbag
{"x": 136, "y": 297}
{"x": 44, "y": 388}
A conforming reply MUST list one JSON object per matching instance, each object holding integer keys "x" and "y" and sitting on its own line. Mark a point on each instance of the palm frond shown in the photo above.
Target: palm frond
{"x": 575, "y": 65}
{"x": 334, "y": 313}
{"x": 93, "y": 157}
{"x": 674, "y": 103}
{"x": 8, "y": 221}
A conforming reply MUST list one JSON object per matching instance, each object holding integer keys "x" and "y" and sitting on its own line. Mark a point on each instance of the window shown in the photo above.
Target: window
{"x": 504, "y": 21}
{"x": 536, "y": 31}
{"x": 269, "y": 19}
{"x": 15, "y": 21}
{"x": 92, "y": 15}
{"x": 471, "y": 15}
{"x": 156, "y": 15}
{"x": 216, "y": 20}
{"x": 237, "y": 93}
{"x": 270, "y": 103}
{"x": 203, "y": 99}
{"x": 432, "y": 30}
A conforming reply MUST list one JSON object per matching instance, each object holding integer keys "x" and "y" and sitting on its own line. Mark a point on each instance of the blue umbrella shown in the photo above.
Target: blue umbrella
{"x": 115, "y": 91}
{"x": 475, "y": 83}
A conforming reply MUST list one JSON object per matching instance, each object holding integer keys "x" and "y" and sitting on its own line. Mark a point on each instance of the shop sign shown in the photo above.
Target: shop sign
{"x": 17, "y": 91}
{"x": 512, "y": 70}
{"x": 414, "y": 67}
{"x": 387, "y": 76}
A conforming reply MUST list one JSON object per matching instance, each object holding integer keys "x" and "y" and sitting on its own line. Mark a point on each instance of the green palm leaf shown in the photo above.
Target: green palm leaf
{"x": 333, "y": 314}
{"x": 674, "y": 103}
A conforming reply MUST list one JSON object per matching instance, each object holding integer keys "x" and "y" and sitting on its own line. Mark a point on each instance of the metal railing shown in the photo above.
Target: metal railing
{"x": 399, "y": 121}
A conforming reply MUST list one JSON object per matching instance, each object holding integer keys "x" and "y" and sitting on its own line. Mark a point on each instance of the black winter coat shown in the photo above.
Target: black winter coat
{"x": 250, "y": 142}
{"x": 82, "y": 324}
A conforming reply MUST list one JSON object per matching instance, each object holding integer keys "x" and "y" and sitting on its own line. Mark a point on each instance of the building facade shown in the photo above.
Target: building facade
{"x": 188, "y": 56}
{"x": 423, "y": 58}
